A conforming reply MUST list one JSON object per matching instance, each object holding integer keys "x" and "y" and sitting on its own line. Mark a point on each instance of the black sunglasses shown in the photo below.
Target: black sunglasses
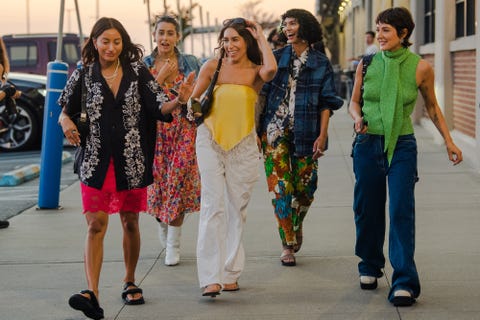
{"x": 230, "y": 22}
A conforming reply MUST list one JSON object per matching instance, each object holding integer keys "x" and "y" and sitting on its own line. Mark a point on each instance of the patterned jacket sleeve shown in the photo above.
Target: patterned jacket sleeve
{"x": 152, "y": 95}
{"x": 70, "y": 96}
{"x": 328, "y": 95}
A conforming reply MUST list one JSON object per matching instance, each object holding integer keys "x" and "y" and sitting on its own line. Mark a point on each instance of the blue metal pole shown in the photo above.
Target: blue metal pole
{"x": 52, "y": 138}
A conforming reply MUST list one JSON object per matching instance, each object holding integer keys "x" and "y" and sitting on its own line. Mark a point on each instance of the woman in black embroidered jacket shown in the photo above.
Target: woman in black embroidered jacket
{"x": 123, "y": 102}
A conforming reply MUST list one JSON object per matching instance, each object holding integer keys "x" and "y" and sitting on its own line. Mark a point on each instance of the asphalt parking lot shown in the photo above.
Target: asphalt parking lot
{"x": 16, "y": 199}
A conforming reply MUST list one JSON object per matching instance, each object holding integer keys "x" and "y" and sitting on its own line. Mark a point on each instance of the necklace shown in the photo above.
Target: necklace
{"x": 114, "y": 74}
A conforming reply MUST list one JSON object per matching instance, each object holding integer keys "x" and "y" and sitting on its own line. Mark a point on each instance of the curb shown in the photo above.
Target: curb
{"x": 27, "y": 173}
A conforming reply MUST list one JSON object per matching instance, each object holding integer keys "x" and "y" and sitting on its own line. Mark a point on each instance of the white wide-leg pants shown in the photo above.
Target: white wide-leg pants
{"x": 227, "y": 180}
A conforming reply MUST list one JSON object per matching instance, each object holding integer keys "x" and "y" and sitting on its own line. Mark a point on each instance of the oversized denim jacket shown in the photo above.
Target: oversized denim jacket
{"x": 315, "y": 92}
{"x": 186, "y": 62}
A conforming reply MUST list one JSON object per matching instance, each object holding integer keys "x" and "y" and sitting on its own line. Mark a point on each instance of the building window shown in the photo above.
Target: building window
{"x": 429, "y": 22}
{"x": 465, "y": 18}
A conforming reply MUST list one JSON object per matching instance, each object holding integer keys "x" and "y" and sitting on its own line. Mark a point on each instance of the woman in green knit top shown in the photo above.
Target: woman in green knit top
{"x": 385, "y": 154}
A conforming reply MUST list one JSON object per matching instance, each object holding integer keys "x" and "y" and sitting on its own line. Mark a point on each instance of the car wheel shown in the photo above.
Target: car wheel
{"x": 20, "y": 130}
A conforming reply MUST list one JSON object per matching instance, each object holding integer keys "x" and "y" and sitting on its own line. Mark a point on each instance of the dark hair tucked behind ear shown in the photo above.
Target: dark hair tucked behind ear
{"x": 310, "y": 29}
{"x": 400, "y": 18}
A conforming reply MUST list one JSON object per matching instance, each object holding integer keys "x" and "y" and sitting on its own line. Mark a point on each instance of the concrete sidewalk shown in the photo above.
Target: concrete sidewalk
{"x": 41, "y": 260}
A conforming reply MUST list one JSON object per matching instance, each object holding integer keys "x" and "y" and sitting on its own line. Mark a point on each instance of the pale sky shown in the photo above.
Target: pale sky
{"x": 44, "y": 14}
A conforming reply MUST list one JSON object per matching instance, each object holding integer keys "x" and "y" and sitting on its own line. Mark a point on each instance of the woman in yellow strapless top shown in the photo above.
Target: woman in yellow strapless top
{"x": 227, "y": 151}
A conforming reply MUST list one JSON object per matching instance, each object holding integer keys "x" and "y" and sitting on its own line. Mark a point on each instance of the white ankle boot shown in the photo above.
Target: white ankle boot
{"x": 172, "y": 254}
{"x": 162, "y": 233}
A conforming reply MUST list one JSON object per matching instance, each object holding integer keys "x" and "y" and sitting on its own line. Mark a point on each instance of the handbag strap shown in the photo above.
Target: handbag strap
{"x": 365, "y": 62}
{"x": 212, "y": 84}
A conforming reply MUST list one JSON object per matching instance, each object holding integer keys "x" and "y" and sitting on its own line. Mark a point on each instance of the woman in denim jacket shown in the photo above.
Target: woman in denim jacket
{"x": 294, "y": 124}
{"x": 175, "y": 191}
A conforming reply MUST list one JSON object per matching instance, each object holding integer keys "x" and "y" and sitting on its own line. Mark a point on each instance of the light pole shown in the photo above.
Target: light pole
{"x": 28, "y": 16}
{"x": 149, "y": 21}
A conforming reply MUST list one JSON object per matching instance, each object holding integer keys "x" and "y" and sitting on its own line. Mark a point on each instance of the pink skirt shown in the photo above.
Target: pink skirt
{"x": 111, "y": 201}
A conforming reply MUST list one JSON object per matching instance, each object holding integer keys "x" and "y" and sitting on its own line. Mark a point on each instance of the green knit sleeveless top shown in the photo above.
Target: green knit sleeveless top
{"x": 389, "y": 96}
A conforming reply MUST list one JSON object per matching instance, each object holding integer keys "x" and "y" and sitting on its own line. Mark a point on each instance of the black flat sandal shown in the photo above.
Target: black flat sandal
{"x": 127, "y": 291}
{"x": 90, "y": 307}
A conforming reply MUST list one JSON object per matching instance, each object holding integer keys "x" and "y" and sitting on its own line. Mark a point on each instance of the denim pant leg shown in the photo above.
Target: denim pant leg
{"x": 369, "y": 203}
{"x": 402, "y": 176}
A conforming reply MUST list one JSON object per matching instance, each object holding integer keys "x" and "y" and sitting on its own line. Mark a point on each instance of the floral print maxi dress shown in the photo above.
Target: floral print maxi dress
{"x": 176, "y": 187}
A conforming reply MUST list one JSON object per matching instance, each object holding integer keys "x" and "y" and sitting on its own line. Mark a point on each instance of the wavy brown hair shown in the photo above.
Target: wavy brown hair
{"x": 239, "y": 24}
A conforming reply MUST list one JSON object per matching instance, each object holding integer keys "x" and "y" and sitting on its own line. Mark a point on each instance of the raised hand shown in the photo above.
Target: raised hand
{"x": 186, "y": 88}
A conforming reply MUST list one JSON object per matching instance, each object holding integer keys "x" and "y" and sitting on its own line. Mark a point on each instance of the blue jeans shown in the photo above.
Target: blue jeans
{"x": 373, "y": 174}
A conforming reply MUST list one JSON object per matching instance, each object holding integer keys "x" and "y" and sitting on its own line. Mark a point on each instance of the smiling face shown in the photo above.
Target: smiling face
{"x": 166, "y": 37}
{"x": 234, "y": 44}
{"x": 109, "y": 46}
{"x": 290, "y": 28}
{"x": 388, "y": 38}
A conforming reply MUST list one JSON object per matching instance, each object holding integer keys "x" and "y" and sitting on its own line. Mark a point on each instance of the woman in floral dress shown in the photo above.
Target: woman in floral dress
{"x": 176, "y": 187}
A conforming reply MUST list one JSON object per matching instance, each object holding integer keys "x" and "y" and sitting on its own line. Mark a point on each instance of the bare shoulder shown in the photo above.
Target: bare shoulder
{"x": 208, "y": 68}
{"x": 424, "y": 67}
{"x": 210, "y": 64}
{"x": 424, "y": 72}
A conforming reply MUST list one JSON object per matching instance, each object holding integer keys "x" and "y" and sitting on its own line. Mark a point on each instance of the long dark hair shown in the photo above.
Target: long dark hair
{"x": 400, "y": 18}
{"x": 130, "y": 52}
{"x": 309, "y": 29}
{"x": 239, "y": 24}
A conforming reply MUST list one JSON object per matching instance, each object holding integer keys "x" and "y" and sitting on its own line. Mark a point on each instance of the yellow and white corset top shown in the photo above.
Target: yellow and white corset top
{"x": 232, "y": 116}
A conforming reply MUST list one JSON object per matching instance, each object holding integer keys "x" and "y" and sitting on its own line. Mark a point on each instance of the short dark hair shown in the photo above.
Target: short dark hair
{"x": 130, "y": 51}
{"x": 400, "y": 18}
{"x": 309, "y": 30}
{"x": 370, "y": 32}
{"x": 239, "y": 24}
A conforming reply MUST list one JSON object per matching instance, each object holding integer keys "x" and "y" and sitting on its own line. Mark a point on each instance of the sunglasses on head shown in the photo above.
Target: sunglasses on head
{"x": 230, "y": 22}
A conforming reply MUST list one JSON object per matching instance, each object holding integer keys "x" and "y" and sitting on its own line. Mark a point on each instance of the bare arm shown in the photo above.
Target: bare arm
{"x": 321, "y": 141}
{"x": 204, "y": 77}
{"x": 184, "y": 93}
{"x": 425, "y": 80}
{"x": 269, "y": 67}
{"x": 354, "y": 108}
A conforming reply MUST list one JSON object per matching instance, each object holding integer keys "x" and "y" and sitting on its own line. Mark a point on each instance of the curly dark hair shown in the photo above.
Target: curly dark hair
{"x": 400, "y": 18}
{"x": 310, "y": 29}
{"x": 130, "y": 52}
{"x": 239, "y": 24}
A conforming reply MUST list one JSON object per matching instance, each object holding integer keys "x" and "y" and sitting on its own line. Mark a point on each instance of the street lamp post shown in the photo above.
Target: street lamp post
{"x": 28, "y": 16}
